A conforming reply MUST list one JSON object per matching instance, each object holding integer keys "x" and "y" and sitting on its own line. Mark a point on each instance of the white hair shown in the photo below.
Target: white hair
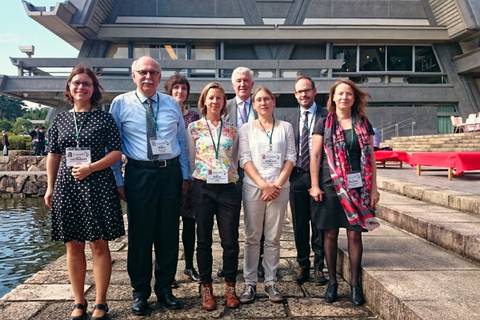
{"x": 241, "y": 70}
{"x": 134, "y": 63}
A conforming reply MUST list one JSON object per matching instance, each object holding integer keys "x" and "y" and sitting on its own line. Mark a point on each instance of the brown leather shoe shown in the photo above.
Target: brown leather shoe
{"x": 231, "y": 299}
{"x": 209, "y": 302}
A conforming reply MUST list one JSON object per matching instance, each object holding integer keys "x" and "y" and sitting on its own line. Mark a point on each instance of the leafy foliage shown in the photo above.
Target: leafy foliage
{"x": 11, "y": 108}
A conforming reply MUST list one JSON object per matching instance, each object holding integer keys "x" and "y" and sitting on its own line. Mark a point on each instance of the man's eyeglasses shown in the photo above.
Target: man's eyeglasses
{"x": 305, "y": 91}
{"x": 143, "y": 73}
{"x": 77, "y": 84}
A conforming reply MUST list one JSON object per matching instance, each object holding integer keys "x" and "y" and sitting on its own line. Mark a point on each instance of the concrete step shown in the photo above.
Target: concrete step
{"x": 448, "y": 228}
{"x": 462, "y": 201}
{"x": 408, "y": 278}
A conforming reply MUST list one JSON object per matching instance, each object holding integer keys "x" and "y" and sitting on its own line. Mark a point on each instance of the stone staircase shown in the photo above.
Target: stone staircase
{"x": 469, "y": 141}
{"x": 424, "y": 261}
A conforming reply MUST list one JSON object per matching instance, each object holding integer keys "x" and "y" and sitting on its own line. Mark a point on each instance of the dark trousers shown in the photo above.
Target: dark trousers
{"x": 188, "y": 240}
{"x": 222, "y": 201}
{"x": 301, "y": 206}
{"x": 153, "y": 202}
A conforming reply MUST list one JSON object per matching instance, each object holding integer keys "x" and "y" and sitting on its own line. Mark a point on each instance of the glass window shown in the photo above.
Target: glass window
{"x": 399, "y": 58}
{"x": 349, "y": 56}
{"x": 425, "y": 60}
{"x": 118, "y": 51}
{"x": 203, "y": 52}
{"x": 372, "y": 58}
{"x": 308, "y": 52}
{"x": 161, "y": 52}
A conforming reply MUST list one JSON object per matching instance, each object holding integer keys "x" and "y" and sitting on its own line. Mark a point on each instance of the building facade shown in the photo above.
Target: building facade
{"x": 418, "y": 59}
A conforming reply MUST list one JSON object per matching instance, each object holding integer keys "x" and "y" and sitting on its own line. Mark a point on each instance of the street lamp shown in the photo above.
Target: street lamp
{"x": 28, "y": 50}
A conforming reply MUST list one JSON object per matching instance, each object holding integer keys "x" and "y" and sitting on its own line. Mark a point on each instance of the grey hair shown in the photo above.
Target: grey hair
{"x": 241, "y": 70}
{"x": 134, "y": 63}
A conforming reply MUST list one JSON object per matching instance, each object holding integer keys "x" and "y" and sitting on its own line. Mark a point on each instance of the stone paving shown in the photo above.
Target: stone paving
{"x": 46, "y": 295}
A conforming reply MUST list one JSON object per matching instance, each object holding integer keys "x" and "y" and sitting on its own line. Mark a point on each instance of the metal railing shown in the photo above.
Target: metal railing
{"x": 410, "y": 122}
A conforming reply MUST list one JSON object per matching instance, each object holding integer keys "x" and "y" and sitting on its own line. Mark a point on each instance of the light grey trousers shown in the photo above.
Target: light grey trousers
{"x": 267, "y": 218}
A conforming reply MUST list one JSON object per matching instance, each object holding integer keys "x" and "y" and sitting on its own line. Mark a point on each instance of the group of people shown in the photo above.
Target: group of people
{"x": 38, "y": 140}
{"x": 179, "y": 163}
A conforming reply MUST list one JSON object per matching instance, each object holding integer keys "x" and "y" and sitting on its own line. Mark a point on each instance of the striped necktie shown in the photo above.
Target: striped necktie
{"x": 304, "y": 159}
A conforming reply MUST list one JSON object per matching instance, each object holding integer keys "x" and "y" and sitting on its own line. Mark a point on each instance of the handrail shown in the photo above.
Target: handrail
{"x": 396, "y": 126}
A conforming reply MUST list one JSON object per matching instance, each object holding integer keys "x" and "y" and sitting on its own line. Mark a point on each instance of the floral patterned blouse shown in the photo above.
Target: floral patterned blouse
{"x": 202, "y": 150}
{"x": 190, "y": 116}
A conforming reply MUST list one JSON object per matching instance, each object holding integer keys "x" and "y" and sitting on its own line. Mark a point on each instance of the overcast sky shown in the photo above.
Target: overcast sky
{"x": 18, "y": 29}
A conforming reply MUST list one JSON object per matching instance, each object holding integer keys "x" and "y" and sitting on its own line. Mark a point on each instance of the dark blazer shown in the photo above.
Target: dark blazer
{"x": 294, "y": 119}
{"x": 231, "y": 116}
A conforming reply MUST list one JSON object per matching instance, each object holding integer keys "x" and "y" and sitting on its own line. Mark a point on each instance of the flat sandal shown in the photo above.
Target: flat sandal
{"x": 103, "y": 307}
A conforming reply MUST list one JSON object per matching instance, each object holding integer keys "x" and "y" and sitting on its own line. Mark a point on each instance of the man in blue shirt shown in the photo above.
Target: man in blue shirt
{"x": 153, "y": 139}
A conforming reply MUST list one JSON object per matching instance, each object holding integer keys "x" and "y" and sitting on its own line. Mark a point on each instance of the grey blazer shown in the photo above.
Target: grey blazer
{"x": 231, "y": 116}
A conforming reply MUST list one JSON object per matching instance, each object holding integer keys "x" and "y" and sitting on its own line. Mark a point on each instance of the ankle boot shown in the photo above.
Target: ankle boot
{"x": 209, "y": 302}
{"x": 331, "y": 293}
{"x": 231, "y": 299}
{"x": 357, "y": 295}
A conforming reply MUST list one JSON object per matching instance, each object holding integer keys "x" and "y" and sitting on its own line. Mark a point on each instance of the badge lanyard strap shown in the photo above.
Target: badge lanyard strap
{"x": 78, "y": 129}
{"x": 269, "y": 136}
{"x": 309, "y": 125}
{"x": 248, "y": 114}
{"x": 154, "y": 113}
{"x": 216, "y": 147}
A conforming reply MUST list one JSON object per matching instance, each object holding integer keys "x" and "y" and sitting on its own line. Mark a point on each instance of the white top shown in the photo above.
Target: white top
{"x": 254, "y": 143}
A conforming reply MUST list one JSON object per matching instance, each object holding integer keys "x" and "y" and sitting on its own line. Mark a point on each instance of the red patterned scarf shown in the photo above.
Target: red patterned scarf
{"x": 355, "y": 202}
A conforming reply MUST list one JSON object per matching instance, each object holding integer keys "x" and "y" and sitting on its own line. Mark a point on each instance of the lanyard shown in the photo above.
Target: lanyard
{"x": 154, "y": 113}
{"x": 351, "y": 144}
{"x": 269, "y": 136}
{"x": 249, "y": 110}
{"x": 78, "y": 129}
{"x": 216, "y": 147}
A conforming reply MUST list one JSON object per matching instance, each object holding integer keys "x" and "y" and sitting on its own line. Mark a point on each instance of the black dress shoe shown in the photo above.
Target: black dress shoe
{"x": 192, "y": 274}
{"x": 331, "y": 293}
{"x": 174, "y": 284}
{"x": 166, "y": 299}
{"x": 357, "y": 295}
{"x": 303, "y": 274}
{"x": 319, "y": 277}
{"x": 220, "y": 273}
{"x": 139, "y": 306}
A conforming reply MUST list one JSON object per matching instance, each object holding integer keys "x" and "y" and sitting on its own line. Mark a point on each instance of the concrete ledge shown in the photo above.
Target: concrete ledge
{"x": 463, "y": 201}
{"x": 448, "y": 228}
{"x": 406, "y": 278}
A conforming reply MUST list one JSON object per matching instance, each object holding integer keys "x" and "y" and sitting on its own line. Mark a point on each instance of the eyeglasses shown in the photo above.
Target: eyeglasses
{"x": 143, "y": 73}
{"x": 77, "y": 84}
{"x": 304, "y": 91}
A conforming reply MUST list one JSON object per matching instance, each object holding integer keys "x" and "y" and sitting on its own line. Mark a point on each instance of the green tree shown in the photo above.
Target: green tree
{"x": 22, "y": 125}
{"x": 11, "y": 108}
{"x": 36, "y": 113}
{"x": 5, "y": 125}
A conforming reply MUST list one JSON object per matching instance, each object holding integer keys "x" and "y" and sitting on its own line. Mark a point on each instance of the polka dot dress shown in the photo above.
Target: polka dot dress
{"x": 90, "y": 209}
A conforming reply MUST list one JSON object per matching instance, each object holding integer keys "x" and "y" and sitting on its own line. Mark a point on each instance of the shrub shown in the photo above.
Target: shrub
{"x": 19, "y": 142}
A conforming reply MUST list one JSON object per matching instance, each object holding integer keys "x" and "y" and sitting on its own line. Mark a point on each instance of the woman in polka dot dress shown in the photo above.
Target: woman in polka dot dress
{"x": 81, "y": 192}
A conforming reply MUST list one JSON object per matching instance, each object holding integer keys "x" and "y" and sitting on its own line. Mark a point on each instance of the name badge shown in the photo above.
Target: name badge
{"x": 160, "y": 146}
{"x": 354, "y": 180}
{"x": 217, "y": 176}
{"x": 271, "y": 159}
{"x": 77, "y": 156}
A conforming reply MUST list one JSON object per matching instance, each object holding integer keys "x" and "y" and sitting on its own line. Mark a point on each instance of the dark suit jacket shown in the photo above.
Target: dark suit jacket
{"x": 231, "y": 116}
{"x": 294, "y": 119}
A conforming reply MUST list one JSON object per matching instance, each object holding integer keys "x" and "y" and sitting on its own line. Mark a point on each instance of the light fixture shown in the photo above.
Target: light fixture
{"x": 28, "y": 50}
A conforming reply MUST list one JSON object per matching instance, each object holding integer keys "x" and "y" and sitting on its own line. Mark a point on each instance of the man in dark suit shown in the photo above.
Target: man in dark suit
{"x": 301, "y": 204}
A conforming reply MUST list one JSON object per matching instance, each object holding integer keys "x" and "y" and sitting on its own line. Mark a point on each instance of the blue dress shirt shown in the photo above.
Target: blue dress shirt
{"x": 129, "y": 112}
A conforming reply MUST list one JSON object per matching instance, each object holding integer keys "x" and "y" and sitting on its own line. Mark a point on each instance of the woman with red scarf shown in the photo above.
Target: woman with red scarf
{"x": 343, "y": 178}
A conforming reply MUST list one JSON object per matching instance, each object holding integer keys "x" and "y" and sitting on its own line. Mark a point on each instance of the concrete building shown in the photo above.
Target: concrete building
{"x": 418, "y": 59}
